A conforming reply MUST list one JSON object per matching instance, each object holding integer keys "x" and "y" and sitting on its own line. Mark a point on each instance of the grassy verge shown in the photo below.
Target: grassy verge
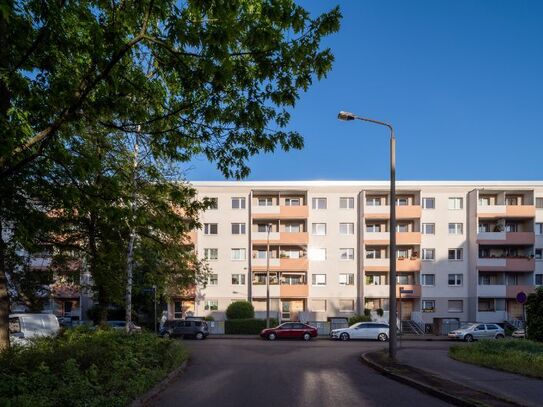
{"x": 516, "y": 356}
{"x": 86, "y": 368}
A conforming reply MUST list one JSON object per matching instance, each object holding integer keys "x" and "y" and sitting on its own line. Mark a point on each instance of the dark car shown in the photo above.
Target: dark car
{"x": 290, "y": 330}
{"x": 185, "y": 328}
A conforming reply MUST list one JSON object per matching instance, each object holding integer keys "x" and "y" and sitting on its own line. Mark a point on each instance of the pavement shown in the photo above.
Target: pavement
{"x": 429, "y": 338}
{"x": 318, "y": 373}
{"x": 433, "y": 358}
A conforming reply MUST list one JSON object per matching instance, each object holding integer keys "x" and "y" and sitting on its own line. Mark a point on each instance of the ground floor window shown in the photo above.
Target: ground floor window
{"x": 455, "y": 306}
{"x": 428, "y": 305}
{"x": 211, "y": 305}
{"x": 318, "y": 305}
{"x": 346, "y": 305}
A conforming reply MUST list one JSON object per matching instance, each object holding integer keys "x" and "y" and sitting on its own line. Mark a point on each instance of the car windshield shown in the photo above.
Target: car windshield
{"x": 467, "y": 325}
{"x": 355, "y": 325}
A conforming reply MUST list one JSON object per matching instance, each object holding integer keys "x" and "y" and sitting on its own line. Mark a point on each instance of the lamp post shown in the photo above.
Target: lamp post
{"x": 268, "y": 229}
{"x": 392, "y": 344}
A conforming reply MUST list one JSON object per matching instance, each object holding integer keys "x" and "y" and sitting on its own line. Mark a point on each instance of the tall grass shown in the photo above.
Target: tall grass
{"x": 516, "y": 356}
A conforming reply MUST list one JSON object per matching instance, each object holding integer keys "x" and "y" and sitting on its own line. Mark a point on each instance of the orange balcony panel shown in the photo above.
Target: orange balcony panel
{"x": 408, "y": 238}
{"x": 294, "y": 291}
{"x": 519, "y": 264}
{"x": 511, "y": 291}
{"x": 293, "y": 212}
{"x": 376, "y": 268}
{"x": 408, "y": 265}
{"x": 408, "y": 287}
{"x": 293, "y": 238}
{"x": 293, "y": 264}
{"x": 192, "y": 237}
{"x": 408, "y": 212}
{"x": 520, "y": 211}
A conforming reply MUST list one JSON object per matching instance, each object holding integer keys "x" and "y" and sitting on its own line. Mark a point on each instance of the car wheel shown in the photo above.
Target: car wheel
{"x": 306, "y": 337}
{"x": 468, "y": 338}
{"x": 344, "y": 336}
{"x": 272, "y": 336}
{"x": 166, "y": 335}
{"x": 382, "y": 337}
{"x": 499, "y": 336}
{"x": 199, "y": 336}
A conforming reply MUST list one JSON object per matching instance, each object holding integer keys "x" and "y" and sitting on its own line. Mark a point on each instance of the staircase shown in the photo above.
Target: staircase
{"x": 515, "y": 323}
{"x": 411, "y": 328}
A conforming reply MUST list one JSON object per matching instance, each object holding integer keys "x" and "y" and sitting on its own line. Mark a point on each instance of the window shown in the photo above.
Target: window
{"x": 318, "y": 305}
{"x": 319, "y": 203}
{"x": 213, "y": 279}
{"x": 318, "y": 279}
{"x": 511, "y": 227}
{"x": 402, "y": 227}
{"x": 238, "y": 228}
{"x": 484, "y": 201}
{"x": 317, "y": 254}
{"x": 402, "y": 253}
{"x": 346, "y": 305}
{"x": 318, "y": 229}
{"x": 456, "y": 228}
{"x": 455, "y": 254}
{"x": 293, "y": 201}
{"x": 539, "y": 254}
{"x": 428, "y": 254}
{"x": 238, "y": 254}
{"x": 376, "y": 279}
{"x": 428, "y": 305}
{"x": 373, "y": 254}
{"x": 428, "y": 203}
{"x": 346, "y": 279}
{"x": 429, "y": 228}
{"x": 291, "y": 254}
{"x": 265, "y": 201}
{"x": 513, "y": 200}
{"x": 211, "y": 254}
{"x": 346, "y": 228}
{"x": 211, "y": 305}
{"x": 402, "y": 201}
{"x": 373, "y": 201}
{"x": 455, "y": 306}
{"x": 486, "y": 305}
{"x": 211, "y": 228}
{"x": 213, "y": 202}
{"x": 238, "y": 279}
{"x": 455, "y": 280}
{"x": 263, "y": 227}
{"x": 346, "y": 203}
{"x": 539, "y": 279}
{"x": 293, "y": 227}
{"x": 260, "y": 254}
{"x": 238, "y": 203}
{"x": 346, "y": 254}
{"x": 455, "y": 203}
{"x": 539, "y": 203}
{"x": 373, "y": 228}
{"x": 428, "y": 279}
{"x": 484, "y": 227}
{"x": 539, "y": 228}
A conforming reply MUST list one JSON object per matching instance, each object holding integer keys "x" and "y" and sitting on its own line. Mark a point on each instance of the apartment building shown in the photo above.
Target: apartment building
{"x": 464, "y": 249}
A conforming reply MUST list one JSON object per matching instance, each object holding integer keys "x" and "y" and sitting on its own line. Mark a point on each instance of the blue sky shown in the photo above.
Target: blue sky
{"x": 460, "y": 80}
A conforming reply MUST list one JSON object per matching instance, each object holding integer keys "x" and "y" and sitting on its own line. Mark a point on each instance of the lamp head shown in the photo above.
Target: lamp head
{"x": 346, "y": 116}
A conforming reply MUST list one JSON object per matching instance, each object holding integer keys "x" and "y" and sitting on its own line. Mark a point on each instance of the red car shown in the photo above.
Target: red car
{"x": 290, "y": 330}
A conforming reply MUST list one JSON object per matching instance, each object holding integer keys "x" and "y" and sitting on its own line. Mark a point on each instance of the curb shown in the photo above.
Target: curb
{"x": 159, "y": 387}
{"x": 428, "y": 389}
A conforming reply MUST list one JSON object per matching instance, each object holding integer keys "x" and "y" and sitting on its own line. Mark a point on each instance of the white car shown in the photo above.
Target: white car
{"x": 472, "y": 332}
{"x": 362, "y": 330}
{"x": 23, "y": 327}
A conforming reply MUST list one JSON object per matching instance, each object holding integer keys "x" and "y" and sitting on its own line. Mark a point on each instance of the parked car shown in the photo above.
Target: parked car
{"x": 474, "y": 331}
{"x": 290, "y": 330}
{"x": 362, "y": 330}
{"x": 121, "y": 326}
{"x": 23, "y": 327}
{"x": 519, "y": 333}
{"x": 185, "y": 328}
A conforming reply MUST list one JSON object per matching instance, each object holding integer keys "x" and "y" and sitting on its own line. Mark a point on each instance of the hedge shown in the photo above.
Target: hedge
{"x": 82, "y": 367}
{"x": 246, "y": 326}
{"x": 240, "y": 310}
{"x": 359, "y": 318}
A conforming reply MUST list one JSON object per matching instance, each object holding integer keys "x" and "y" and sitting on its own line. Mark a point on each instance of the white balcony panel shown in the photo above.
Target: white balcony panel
{"x": 264, "y": 236}
{"x": 491, "y": 262}
{"x": 274, "y": 209}
{"x": 262, "y": 262}
{"x": 491, "y": 236}
{"x": 491, "y": 291}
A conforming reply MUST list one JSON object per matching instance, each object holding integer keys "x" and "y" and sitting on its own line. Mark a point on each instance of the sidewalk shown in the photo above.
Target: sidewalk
{"x": 431, "y": 338}
{"x": 520, "y": 389}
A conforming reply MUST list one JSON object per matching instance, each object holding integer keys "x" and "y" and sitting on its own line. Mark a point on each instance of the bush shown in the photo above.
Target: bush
{"x": 380, "y": 312}
{"x": 240, "y": 310}
{"x": 367, "y": 312}
{"x": 359, "y": 318}
{"x": 534, "y": 315}
{"x": 246, "y": 326}
{"x": 83, "y": 367}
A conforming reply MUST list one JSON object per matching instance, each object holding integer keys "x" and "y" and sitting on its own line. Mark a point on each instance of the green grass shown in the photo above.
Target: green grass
{"x": 516, "y": 356}
{"x": 86, "y": 368}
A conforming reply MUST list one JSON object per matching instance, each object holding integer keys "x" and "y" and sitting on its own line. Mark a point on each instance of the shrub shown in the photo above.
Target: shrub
{"x": 380, "y": 312}
{"x": 246, "y": 326}
{"x": 359, "y": 318}
{"x": 367, "y": 312}
{"x": 209, "y": 318}
{"x": 240, "y": 310}
{"x": 534, "y": 315}
{"x": 83, "y": 367}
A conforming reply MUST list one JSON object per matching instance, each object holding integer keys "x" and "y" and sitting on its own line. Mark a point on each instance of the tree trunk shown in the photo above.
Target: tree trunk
{"x": 130, "y": 254}
{"x": 4, "y": 295}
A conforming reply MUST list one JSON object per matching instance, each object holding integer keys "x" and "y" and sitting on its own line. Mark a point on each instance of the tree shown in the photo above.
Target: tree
{"x": 204, "y": 77}
{"x": 240, "y": 310}
{"x": 534, "y": 315}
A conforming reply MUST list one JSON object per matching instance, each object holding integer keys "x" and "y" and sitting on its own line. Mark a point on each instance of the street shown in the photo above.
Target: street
{"x": 239, "y": 372}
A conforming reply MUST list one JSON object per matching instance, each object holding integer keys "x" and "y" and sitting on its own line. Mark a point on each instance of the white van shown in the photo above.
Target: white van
{"x": 27, "y": 326}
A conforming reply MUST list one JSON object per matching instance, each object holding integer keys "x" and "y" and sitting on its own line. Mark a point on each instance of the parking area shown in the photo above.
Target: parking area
{"x": 321, "y": 372}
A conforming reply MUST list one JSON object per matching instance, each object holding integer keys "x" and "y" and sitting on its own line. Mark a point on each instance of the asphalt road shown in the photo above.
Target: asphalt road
{"x": 244, "y": 372}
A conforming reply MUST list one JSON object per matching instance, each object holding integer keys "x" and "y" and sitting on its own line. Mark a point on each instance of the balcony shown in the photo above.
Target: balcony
{"x": 511, "y": 291}
{"x": 415, "y": 288}
{"x": 259, "y": 290}
{"x": 383, "y": 212}
{"x": 294, "y": 291}
{"x": 506, "y": 264}
{"x": 504, "y": 211}
{"x": 284, "y": 238}
{"x": 376, "y": 291}
{"x": 494, "y": 238}
{"x": 280, "y": 212}
{"x": 383, "y": 238}
{"x": 491, "y": 291}
{"x": 384, "y": 264}
{"x": 281, "y": 264}
{"x": 408, "y": 264}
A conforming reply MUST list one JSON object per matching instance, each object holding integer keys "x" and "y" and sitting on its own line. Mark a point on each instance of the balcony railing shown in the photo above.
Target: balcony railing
{"x": 384, "y": 238}
{"x": 383, "y": 291}
{"x": 383, "y": 212}
{"x": 294, "y": 291}
{"x": 407, "y": 264}
{"x": 498, "y": 211}
{"x": 280, "y": 212}
{"x": 506, "y": 264}
{"x": 526, "y": 238}
{"x": 283, "y": 264}
{"x": 280, "y": 238}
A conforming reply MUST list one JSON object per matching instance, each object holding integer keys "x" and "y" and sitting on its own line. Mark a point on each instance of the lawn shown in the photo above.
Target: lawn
{"x": 516, "y": 356}
{"x": 86, "y": 368}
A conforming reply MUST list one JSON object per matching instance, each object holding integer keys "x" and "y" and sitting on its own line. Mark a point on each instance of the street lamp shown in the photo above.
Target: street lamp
{"x": 268, "y": 229}
{"x": 392, "y": 345}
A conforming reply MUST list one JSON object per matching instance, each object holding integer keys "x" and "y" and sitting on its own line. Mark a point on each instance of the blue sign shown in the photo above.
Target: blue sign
{"x": 521, "y": 297}
{"x": 402, "y": 291}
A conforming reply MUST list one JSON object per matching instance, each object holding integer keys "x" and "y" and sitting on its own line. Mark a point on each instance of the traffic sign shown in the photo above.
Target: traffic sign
{"x": 402, "y": 291}
{"x": 521, "y": 297}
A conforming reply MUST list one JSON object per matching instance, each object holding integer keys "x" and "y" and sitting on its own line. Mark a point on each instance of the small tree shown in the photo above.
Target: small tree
{"x": 534, "y": 315}
{"x": 240, "y": 310}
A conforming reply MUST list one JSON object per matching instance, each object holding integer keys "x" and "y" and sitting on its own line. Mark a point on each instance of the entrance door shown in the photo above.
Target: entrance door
{"x": 67, "y": 308}
{"x": 285, "y": 311}
{"x": 407, "y": 308}
{"x": 514, "y": 310}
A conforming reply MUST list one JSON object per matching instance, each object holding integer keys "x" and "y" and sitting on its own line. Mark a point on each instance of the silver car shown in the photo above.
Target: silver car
{"x": 473, "y": 332}
{"x": 362, "y": 330}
